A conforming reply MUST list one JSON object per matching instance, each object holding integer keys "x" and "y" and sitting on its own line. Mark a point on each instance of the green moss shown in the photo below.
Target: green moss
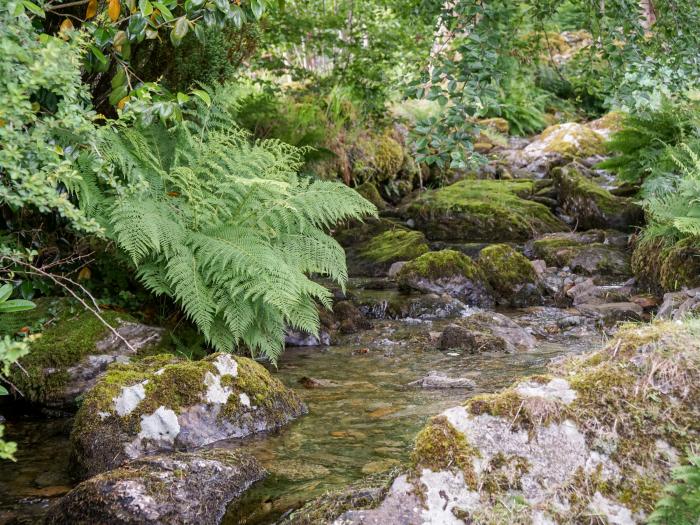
{"x": 665, "y": 266}
{"x": 370, "y": 192}
{"x": 388, "y": 157}
{"x": 439, "y": 446}
{"x": 505, "y": 268}
{"x": 395, "y": 245}
{"x": 572, "y": 140}
{"x": 482, "y": 210}
{"x": 436, "y": 265}
{"x": 64, "y": 334}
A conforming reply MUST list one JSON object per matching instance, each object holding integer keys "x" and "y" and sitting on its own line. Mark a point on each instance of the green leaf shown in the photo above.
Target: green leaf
{"x": 5, "y": 292}
{"x": 237, "y": 15}
{"x": 179, "y": 31}
{"x": 145, "y": 7}
{"x": 99, "y": 55}
{"x": 118, "y": 93}
{"x": 167, "y": 14}
{"x": 16, "y": 305}
{"x": 203, "y": 95}
{"x": 4, "y": 391}
{"x": 38, "y": 11}
{"x": 257, "y": 7}
{"x": 182, "y": 98}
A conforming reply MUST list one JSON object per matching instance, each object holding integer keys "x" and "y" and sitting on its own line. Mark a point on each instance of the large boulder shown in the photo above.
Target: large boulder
{"x": 595, "y": 439}
{"x": 482, "y": 210}
{"x": 73, "y": 350}
{"x": 571, "y": 140}
{"x": 511, "y": 275}
{"x": 177, "y": 488}
{"x": 663, "y": 265}
{"x": 591, "y": 206}
{"x": 486, "y": 332}
{"x": 381, "y": 251}
{"x": 163, "y": 403}
{"x": 447, "y": 272}
{"x": 594, "y": 252}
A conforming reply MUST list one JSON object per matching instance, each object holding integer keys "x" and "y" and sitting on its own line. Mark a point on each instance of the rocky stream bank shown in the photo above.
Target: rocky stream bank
{"x": 493, "y": 304}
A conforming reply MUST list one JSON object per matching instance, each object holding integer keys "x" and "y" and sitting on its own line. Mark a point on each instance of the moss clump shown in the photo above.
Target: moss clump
{"x": 388, "y": 158}
{"x": 497, "y": 124}
{"x": 437, "y": 265}
{"x": 395, "y": 245}
{"x": 482, "y": 210}
{"x": 587, "y": 254}
{"x": 591, "y": 205}
{"x": 370, "y": 192}
{"x": 505, "y": 268}
{"x": 439, "y": 446}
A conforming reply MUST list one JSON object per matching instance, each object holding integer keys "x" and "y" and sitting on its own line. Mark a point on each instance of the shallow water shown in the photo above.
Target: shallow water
{"x": 364, "y": 425}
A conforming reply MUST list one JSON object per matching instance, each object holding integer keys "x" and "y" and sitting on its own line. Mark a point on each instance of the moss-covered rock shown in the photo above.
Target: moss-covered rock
{"x": 597, "y": 436}
{"x": 486, "y": 332}
{"x": 509, "y": 272}
{"x": 497, "y": 124}
{"x": 71, "y": 348}
{"x": 446, "y": 271}
{"x": 376, "y": 158}
{"x": 482, "y": 210}
{"x": 666, "y": 266}
{"x": 571, "y": 140}
{"x": 177, "y": 488}
{"x": 588, "y": 253}
{"x": 395, "y": 245}
{"x": 370, "y": 192}
{"x": 591, "y": 206}
{"x": 164, "y": 403}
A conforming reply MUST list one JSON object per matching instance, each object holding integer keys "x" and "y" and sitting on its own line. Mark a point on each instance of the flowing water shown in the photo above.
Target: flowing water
{"x": 362, "y": 424}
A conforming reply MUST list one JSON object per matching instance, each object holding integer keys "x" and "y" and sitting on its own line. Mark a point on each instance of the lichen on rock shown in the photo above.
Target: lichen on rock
{"x": 184, "y": 405}
{"x": 596, "y": 437}
{"x": 449, "y": 272}
{"x": 176, "y": 488}
{"x": 572, "y": 140}
{"x": 482, "y": 210}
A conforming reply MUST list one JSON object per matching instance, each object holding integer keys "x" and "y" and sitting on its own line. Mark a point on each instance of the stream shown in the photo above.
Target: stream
{"x": 363, "y": 424}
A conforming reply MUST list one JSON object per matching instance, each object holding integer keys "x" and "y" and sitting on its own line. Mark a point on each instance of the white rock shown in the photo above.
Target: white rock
{"x": 160, "y": 428}
{"x": 129, "y": 398}
{"x": 556, "y": 390}
{"x": 614, "y": 513}
{"x": 226, "y": 365}
{"x": 216, "y": 392}
{"x": 245, "y": 400}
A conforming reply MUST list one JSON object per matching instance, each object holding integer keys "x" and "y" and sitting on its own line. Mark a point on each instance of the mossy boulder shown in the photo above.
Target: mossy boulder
{"x": 587, "y": 253}
{"x": 391, "y": 246}
{"x": 370, "y": 192}
{"x": 571, "y": 140}
{"x": 447, "y": 272}
{"x": 591, "y": 206}
{"x": 662, "y": 265}
{"x": 71, "y": 348}
{"x": 482, "y": 210}
{"x": 596, "y": 436}
{"x": 376, "y": 158}
{"x": 486, "y": 332}
{"x": 510, "y": 274}
{"x": 177, "y": 488}
{"x": 163, "y": 403}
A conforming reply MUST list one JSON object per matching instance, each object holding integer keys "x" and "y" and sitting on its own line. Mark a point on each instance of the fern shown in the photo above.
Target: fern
{"x": 225, "y": 226}
{"x": 681, "y": 503}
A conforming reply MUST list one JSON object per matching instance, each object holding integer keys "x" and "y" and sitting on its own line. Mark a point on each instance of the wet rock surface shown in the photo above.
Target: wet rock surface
{"x": 486, "y": 332}
{"x": 176, "y": 488}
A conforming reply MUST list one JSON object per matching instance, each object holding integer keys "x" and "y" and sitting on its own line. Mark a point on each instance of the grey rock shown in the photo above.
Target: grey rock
{"x": 486, "y": 332}
{"x": 435, "y": 379}
{"x": 179, "y": 488}
{"x": 611, "y": 313}
{"x": 677, "y": 305}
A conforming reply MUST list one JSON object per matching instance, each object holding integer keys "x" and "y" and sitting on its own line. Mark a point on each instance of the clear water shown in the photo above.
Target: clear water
{"x": 363, "y": 425}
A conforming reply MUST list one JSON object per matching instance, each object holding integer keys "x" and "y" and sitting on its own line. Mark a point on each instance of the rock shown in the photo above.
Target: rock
{"x": 587, "y": 292}
{"x": 678, "y": 305}
{"x": 69, "y": 357}
{"x": 298, "y": 338}
{"x": 550, "y": 449}
{"x": 481, "y": 210}
{"x": 447, "y": 272}
{"x": 486, "y": 332}
{"x": 424, "y": 306}
{"x": 571, "y": 140}
{"x": 591, "y": 206}
{"x": 369, "y": 191}
{"x": 611, "y": 313}
{"x": 595, "y": 252}
{"x": 511, "y": 275}
{"x": 312, "y": 382}
{"x": 162, "y": 403}
{"x": 662, "y": 265}
{"x": 394, "y": 269}
{"x": 177, "y": 488}
{"x": 345, "y": 318}
{"x": 436, "y": 379}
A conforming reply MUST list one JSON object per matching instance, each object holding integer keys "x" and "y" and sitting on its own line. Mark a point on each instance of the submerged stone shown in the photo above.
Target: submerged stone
{"x": 435, "y": 379}
{"x": 486, "y": 332}
{"x": 447, "y": 272}
{"x": 177, "y": 488}
{"x": 482, "y": 210}
{"x": 163, "y": 403}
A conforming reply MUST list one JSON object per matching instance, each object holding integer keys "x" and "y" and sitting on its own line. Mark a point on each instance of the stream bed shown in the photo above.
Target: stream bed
{"x": 363, "y": 424}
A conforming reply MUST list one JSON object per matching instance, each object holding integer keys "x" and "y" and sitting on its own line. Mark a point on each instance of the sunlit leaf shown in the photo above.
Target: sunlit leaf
{"x": 114, "y": 10}
{"x": 91, "y": 10}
